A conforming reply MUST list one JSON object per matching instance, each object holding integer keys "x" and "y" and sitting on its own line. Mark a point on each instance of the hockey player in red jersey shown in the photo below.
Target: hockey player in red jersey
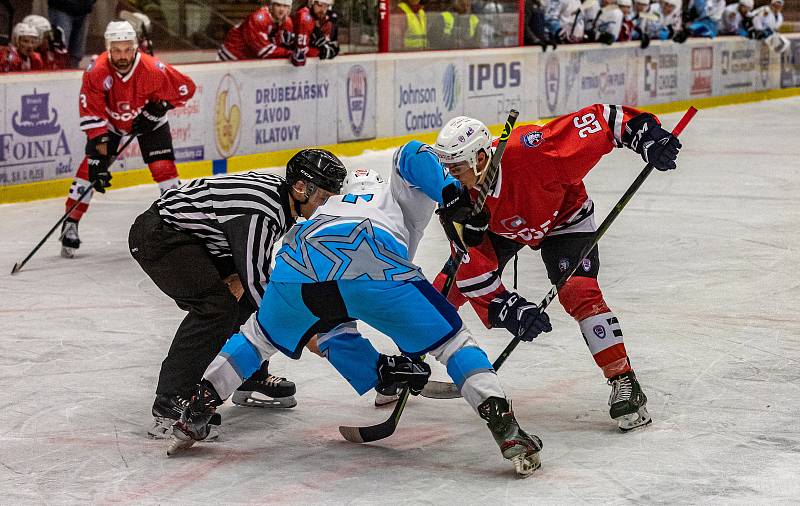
{"x": 21, "y": 55}
{"x": 317, "y": 30}
{"x": 539, "y": 200}
{"x": 124, "y": 92}
{"x": 51, "y": 46}
{"x": 266, "y": 33}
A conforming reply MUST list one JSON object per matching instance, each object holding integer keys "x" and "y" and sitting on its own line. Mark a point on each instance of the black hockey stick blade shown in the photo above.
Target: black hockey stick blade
{"x": 379, "y": 431}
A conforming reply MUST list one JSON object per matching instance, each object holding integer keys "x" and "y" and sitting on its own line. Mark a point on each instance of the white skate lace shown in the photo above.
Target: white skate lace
{"x": 621, "y": 390}
{"x": 273, "y": 381}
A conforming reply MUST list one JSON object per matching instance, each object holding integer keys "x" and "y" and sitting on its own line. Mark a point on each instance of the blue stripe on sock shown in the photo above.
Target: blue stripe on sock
{"x": 242, "y": 355}
{"x": 466, "y": 362}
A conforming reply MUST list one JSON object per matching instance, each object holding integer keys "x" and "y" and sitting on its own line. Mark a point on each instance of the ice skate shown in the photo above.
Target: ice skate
{"x": 628, "y": 404}
{"x": 264, "y": 390}
{"x": 70, "y": 241}
{"x": 195, "y": 421}
{"x": 384, "y": 400}
{"x": 515, "y": 444}
{"x": 167, "y": 409}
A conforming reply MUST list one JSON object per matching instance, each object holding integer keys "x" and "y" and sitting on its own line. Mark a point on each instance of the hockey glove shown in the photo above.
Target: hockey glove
{"x": 328, "y": 51}
{"x": 151, "y": 115}
{"x": 298, "y": 58}
{"x": 287, "y": 38}
{"x": 457, "y": 205}
{"x": 518, "y": 316}
{"x": 606, "y": 38}
{"x": 396, "y": 371}
{"x": 680, "y": 36}
{"x": 98, "y": 160}
{"x": 475, "y": 228}
{"x": 658, "y": 147}
{"x": 57, "y": 40}
{"x": 645, "y": 43}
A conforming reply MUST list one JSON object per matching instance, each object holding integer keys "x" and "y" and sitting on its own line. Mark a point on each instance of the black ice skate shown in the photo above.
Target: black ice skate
{"x": 167, "y": 409}
{"x": 515, "y": 444}
{"x": 196, "y": 420}
{"x": 628, "y": 404}
{"x": 264, "y": 390}
{"x": 70, "y": 241}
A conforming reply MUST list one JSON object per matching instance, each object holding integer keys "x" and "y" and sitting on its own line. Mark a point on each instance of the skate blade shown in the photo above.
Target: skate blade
{"x": 178, "y": 445}
{"x": 525, "y": 465}
{"x": 162, "y": 429}
{"x": 633, "y": 421}
{"x": 67, "y": 252}
{"x": 259, "y": 400}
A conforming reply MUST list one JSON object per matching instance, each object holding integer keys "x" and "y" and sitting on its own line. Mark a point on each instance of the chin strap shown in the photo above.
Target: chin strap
{"x": 311, "y": 189}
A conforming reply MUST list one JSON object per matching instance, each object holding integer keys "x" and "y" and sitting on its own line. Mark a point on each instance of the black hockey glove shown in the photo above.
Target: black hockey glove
{"x": 475, "y": 228}
{"x": 658, "y": 147}
{"x": 98, "y": 162}
{"x": 57, "y": 40}
{"x": 288, "y": 38}
{"x": 328, "y": 51}
{"x": 396, "y": 371}
{"x": 645, "y": 43}
{"x": 680, "y": 36}
{"x": 518, "y": 316}
{"x": 148, "y": 119}
{"x": 606, "y": 38}
{"x": 457, "y": 205}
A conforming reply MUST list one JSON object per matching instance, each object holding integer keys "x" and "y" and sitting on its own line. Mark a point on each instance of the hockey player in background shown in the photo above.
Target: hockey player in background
{"x": 736, "y": 18}
{"x": 539, "y": 200}
{"x": 207, "y": 245}
{"x": 51, "y": 47}
{"x": 767, "y": 20}
{"x": 316, "y": 27}
{"x": 353, "y": 261}
{"x": 704, "y": 17}
{"x": 603, "y": 20}
{"x": 266, "y": 33}
{"x": 124, "y": 92}
{"x": 21, "y": 55}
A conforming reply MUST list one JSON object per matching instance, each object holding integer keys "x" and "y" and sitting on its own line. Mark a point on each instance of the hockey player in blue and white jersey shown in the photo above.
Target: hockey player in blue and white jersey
{"x": 352, "y": 260}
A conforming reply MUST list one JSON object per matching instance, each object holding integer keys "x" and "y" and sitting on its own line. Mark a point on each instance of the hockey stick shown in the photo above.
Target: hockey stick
{"x": 442, "y": 390}
{"x": 18, "y": 266}
{"x": 387, "y": 427}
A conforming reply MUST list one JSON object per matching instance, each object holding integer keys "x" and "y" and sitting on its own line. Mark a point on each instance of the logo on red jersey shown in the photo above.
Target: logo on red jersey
{"x": 512, "y": 223}
{"x": 599, "y": 331}
{"x": 532, "y": 139}
{"x": 108, "y": 82}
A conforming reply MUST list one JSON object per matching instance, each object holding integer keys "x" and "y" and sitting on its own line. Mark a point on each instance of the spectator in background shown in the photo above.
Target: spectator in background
{"x": 71, "y": 17}
{"x": 266, "y": 33}
{"x": 564, "y": 21}
{"x": 626, "y": 30}
{"x": 736, "y": 18}
{"x": 646, "y": 24}
{"x": 603, "y": 23}
{"x": 704, "y": 17}
{"x": 21, "y": 55}
{"x": 412, "y": 26}
{"x": 51, "y": 43}
{"x": 767, "y": 19}
{"x": 671, "y": 20}
{"x": 455, "y": 27}
{"x": 316, "y": 26}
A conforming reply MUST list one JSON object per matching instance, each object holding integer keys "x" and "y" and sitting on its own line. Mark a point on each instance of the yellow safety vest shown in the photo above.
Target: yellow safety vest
{"x": 450, "y": 22}
{"x": 416, "y": 36}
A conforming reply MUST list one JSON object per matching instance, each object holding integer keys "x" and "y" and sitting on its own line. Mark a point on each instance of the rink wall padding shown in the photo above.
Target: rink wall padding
{"x": 249, "y": 115}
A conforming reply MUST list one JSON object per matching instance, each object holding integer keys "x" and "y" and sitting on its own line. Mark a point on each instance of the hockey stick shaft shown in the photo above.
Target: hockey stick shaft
{"x": 19, "y": 265}
{"x": 483, "y": 191}
{"x": 601, "y": 230}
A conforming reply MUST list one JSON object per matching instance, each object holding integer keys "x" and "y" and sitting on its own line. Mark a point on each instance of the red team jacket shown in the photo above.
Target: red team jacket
{"x": 54, "y": 60}
{"x": 257, "y": 36}
{"x": 540, "y": 188}
{"x": 308, "y": 32}
{"x": 109, "y": 101}
{"x": 12, "y": 61}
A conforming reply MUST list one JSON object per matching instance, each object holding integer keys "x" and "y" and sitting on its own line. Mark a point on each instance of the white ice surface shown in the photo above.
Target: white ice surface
{"x": 701, "y": 268}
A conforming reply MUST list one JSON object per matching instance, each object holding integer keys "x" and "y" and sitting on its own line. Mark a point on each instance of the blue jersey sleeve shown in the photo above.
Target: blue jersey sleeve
{"x": 420, "y": 168}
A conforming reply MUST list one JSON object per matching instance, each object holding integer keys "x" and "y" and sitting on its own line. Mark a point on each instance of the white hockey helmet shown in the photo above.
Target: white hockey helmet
{"x": 461, "y": 139}
{"x": 288, "y": 3}
{"x": 119, "y": 31}
{"x": 776, "y": 2}
{"x": 675, "y": 3}
{"x": 643, "y": 2}
{"x": 625, "y": 3}
{"x": 326, "y": 2}
{"x": 747, "y": 3}
{"x": 24, "y": 30}
{"x": 362, "y": 181}
{"x": 41, "y": 23}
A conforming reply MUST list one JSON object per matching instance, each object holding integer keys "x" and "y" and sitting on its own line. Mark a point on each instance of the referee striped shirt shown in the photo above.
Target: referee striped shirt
{"x": 238, "y": 217}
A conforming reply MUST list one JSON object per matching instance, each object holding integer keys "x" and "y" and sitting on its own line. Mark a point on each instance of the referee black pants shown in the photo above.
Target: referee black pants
{"x": 182, "y": 268}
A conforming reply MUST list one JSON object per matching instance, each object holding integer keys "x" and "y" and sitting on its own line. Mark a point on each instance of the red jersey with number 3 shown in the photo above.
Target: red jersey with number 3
{"x": 258, "y": 36}
{"x": 110, "y": 101}
{"x": 540, "y": 187}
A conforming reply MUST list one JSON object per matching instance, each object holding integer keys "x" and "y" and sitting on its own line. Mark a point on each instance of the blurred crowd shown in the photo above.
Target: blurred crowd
{"x": 311, "y": 29}
{"x": 553, "y": 22}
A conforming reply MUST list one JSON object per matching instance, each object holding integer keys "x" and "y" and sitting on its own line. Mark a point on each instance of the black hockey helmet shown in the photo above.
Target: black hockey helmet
{"x": 317, "y": 166}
